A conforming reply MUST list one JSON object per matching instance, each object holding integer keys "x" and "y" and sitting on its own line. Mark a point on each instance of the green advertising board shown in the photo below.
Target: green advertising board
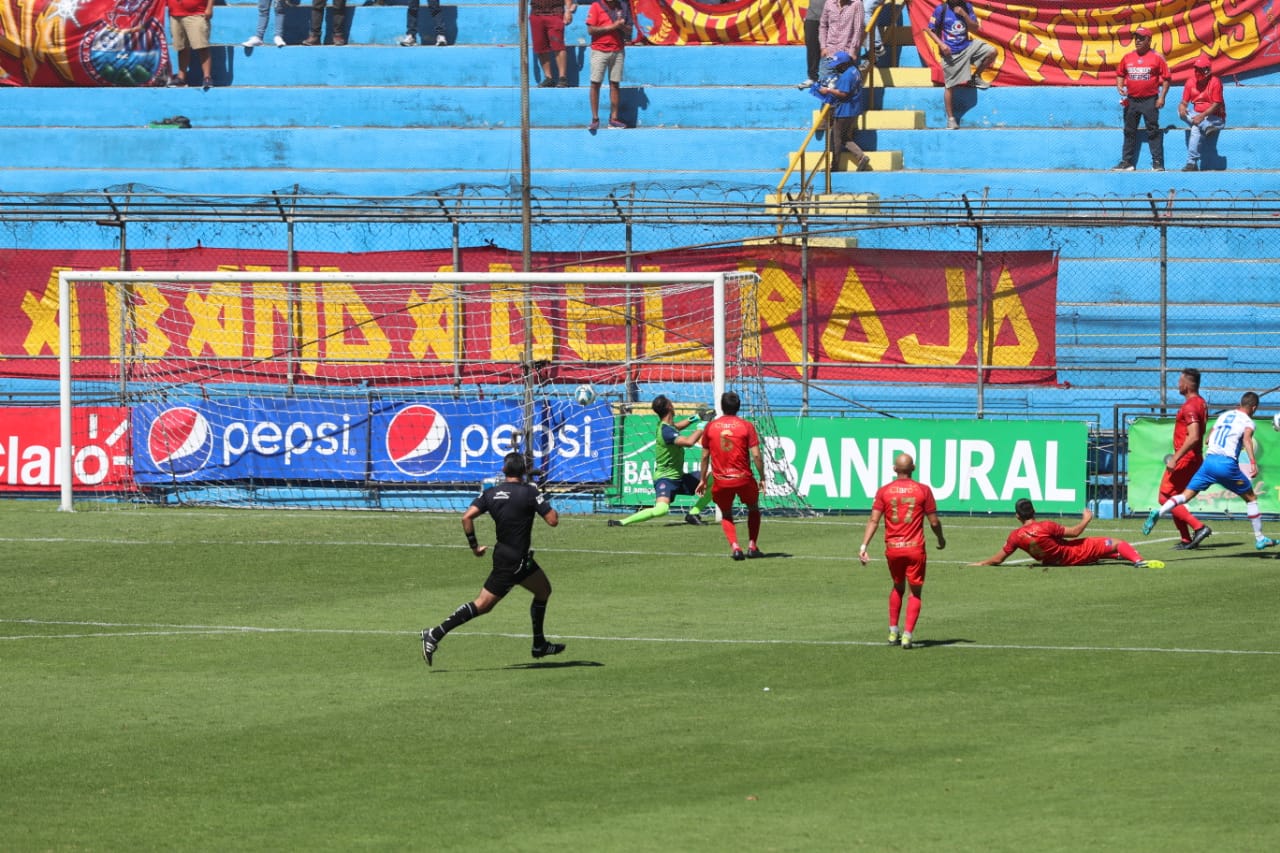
{"x": 1151, "y": 442}
{"x": 838, "y": 463}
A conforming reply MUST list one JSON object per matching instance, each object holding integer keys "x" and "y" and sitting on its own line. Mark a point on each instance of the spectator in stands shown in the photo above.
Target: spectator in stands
{"x": 337, "y": 29}
{"x": 1143, "y": 82}
{"x": 877, "y": 38}
{"x": 410, "y": 37}
{"x": 963, "y": 57}
{"x": 547, "y": 20}
{"x": 609, "y": 25}
{"x": 190, "y": 22}
{"x": 840, "y": 28}
{"x": 812, "y": 41}
{"x": 1202, "y": 107}
{"x": 264, "y": 14}
{"x": 846, "y": 99}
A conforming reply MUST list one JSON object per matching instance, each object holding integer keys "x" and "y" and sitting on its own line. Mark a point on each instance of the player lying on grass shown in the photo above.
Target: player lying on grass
{"x": 1051, "y": 544}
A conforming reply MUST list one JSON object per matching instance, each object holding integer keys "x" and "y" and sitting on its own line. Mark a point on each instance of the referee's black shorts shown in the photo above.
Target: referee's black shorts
{"x": 509, "y": 569}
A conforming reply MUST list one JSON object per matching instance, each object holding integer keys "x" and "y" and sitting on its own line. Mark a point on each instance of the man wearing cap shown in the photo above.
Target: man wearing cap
{"x": 1142, "y": 79}
{"x": 840, "y": 28}
{"x": 1202, "y": 107}
{"x": 844, "y": 93}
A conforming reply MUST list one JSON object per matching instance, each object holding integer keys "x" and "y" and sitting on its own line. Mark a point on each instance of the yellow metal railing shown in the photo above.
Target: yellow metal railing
{"x": 826, "y": 162}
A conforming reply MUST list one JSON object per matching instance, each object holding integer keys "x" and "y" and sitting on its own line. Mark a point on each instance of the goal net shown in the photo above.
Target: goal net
{"x": 388, "y": 390}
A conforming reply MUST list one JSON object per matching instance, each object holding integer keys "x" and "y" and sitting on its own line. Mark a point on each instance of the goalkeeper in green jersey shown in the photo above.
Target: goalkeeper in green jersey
{"x": 669, "y": 477}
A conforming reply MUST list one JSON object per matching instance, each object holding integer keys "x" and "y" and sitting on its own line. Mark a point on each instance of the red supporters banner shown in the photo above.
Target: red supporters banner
{"x": 741, "y": 22}
{"x": 873, "y": 315}
{"x": 1076, "y": 42}
{"x": 82, "y": 42}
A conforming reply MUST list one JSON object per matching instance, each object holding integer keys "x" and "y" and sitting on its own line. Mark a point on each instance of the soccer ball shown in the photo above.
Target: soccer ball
{"x": 584, "y": 395}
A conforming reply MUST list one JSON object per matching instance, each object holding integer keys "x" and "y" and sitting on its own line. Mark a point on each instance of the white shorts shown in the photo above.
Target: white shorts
{"x": 606, "y": 61}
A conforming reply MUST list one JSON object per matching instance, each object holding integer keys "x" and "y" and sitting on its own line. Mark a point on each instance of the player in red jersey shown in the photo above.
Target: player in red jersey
{"x": 1143, "y": 81}
{"x": 904, "y": 504}
{"x": 1188, "y": 454}
{"x": 730, "y": 447}
{"x": 1054, "y": 545}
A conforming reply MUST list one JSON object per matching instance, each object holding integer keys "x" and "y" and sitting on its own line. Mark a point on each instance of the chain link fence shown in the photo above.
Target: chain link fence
{"x": 1142, "y": 286}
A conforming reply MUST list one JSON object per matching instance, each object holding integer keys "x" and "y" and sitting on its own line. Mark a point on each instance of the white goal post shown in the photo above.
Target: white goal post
{"x": 239, "y": 387}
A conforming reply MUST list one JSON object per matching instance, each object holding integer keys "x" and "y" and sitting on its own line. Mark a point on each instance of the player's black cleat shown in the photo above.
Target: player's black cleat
{"x": 613, "y": 522}
{"x": 428, "y": 647}
{"x": 1199, "y": 536}
{"x": 753, "y": 553}
{"x": 738, "y": 555}
{"x": 546, "y": 649}
{"x": 692, "y": 518}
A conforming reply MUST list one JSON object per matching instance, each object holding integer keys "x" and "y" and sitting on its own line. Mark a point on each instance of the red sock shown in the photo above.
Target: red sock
{"x": 1185, "y": 521}
{"x": 1128, "y": 552}
{"x": 730, "y": 530}
{"x": 895, "y": 606}
{"x": 753, "y": 524}
{"x": 913, "y": 612}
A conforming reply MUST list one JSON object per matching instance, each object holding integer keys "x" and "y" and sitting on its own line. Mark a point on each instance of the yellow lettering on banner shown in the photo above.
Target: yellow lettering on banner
{"x": 1237, "y": 35}
{"x": 582, "y": 317}
{"x": 914, "y": 352}
{"x": 270, "y": 300}
{"x": 507, "y": 301}
{"x": 217, "y": 320}
{"x": 149, "y": 305}
{"x": 854, "y": 303}
{"x": 347, "y": 320}
{"x": 433, "y": 321}
{"x": 306, "y": 329}
{"x": 779, "y": 300}
{"x": 42, "y": 311}
{"x": 752, "y": 346}
{"x": 1007, "y": 306}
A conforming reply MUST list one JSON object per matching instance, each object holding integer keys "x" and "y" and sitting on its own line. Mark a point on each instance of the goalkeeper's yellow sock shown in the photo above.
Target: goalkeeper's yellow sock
{"x": 655, "y": 511}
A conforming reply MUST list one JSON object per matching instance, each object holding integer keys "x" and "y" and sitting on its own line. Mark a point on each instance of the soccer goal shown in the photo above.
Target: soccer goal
{"x": 380, "y": 390}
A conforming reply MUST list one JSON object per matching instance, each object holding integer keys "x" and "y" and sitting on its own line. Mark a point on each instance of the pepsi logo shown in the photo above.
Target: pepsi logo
{"x": 180, "y": 441}
{"x": 418, "y": 440}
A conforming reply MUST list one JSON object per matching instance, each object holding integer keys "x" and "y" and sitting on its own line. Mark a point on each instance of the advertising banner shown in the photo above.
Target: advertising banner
{"x": 82, "y": 42}
{"x": 1079, "y": 42}
{"x": 873, "y": 315}
{"x": 1151, "y": 443}
{"x": 457, "y": 442}
{"x": 250, "y": 438}
{"x": 838, "y": 464}
{"x": 29, "y": 449}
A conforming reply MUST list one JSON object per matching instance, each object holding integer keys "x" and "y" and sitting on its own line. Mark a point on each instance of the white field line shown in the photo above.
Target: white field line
{"x": 935, "y": 557}
{"x": 163, "y": 630}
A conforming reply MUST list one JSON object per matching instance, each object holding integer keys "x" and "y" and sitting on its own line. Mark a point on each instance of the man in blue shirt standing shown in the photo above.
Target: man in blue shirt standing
{"x": 963, "y": 58}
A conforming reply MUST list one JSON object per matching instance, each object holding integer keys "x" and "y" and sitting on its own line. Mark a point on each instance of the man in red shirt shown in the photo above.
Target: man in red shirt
{"x": 1188, "y": 453}
{"x": 904, "y": 504}
{"x": 1143, "y": 81}
{"x": 189, "y": 28}
{"x": 730, "y": 447}
{"x": 1202, "y": 107}
{"x": 1054, "y": 545}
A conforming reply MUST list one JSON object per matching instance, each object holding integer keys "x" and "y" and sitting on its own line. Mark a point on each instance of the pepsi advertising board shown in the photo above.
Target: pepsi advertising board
{"x": 465, "y": 442}
{"x": 250, "y": 438}
{"x": 267, "y": 438}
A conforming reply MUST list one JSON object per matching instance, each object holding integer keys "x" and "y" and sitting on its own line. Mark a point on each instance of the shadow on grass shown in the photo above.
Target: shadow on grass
{"x": 925, "y": 644}
{"x": 558, "y": 664}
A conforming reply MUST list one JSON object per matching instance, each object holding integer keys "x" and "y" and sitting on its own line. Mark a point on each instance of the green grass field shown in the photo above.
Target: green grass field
{"x": 223, "y": 680}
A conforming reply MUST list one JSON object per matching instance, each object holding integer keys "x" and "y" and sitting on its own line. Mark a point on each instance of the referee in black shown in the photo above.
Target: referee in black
{"x": 512, "y": 503}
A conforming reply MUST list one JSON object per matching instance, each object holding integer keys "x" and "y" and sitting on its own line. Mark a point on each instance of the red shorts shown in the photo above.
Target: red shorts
{"x": 1082, "y": 552}
{"x": 1175, "y": 481}
{"x": 748, "y": 493}
{"x": 547, "y": 33}
{"x": 906, "y": 564}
